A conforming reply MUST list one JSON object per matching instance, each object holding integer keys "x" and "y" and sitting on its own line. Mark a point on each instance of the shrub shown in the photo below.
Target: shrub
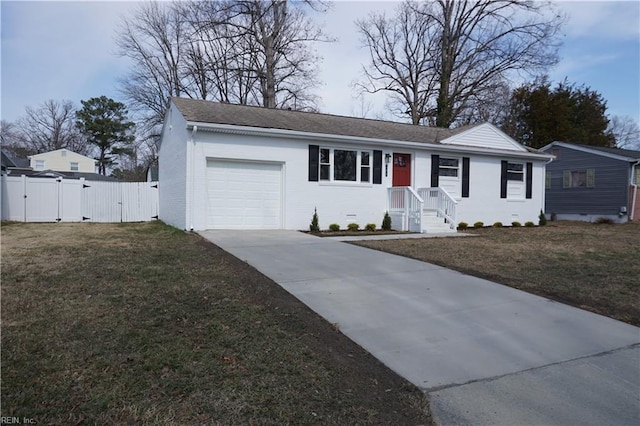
{"x": 370, "y": 227}
{"x": 353, "y": 227}
{"x": 314, "y": 227}
{"x": 516, "y": 224}
{"x": 542, "y": 219}
{"x": 478, "y": 224}
{"x": 334, "y": 227}
{"x": 603, "y": 221}
{"x": 462, "y": 226}
{"x": 386, "y": 222}
{"x": 497, "y": 225}
{"x": 529, "y": 224}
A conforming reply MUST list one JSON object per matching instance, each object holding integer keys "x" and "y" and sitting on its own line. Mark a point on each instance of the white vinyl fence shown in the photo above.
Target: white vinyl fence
{"x": 26, "y": 199}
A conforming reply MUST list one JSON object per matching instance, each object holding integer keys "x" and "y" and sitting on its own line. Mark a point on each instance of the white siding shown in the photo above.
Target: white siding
{"x": 362, "y": 203}
{"x": 172, "y": 169}
{"x": 340, "y": 203}
{"x": 485, "y": 136}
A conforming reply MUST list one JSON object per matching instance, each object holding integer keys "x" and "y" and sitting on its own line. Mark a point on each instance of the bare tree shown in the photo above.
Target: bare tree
{"x": 50, "y": 126}
{"x": 154, "y": 38}
{"x": 469, "y": 49}
{"x": 238, "y": 51}
{"x": 626, "y": 132}
{"x": 402, "y": 61}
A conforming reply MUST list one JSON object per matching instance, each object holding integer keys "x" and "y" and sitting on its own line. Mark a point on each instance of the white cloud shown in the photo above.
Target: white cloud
{"x": 612, "y": 20}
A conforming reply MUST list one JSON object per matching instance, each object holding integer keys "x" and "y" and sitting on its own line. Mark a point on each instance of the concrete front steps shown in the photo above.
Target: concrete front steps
{"x": 432, "y": 224}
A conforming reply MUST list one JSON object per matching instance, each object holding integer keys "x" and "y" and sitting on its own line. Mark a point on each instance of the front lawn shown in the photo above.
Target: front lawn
{"x": 144, "y": 324}
{"x": 594, "y": 267}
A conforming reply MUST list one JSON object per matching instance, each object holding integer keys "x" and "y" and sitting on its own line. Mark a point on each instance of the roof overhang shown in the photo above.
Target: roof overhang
{"x": 331, "y": 138}
{"x": 584, "y": 148}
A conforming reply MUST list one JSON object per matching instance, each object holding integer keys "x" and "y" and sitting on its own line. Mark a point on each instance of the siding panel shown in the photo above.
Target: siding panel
{"x": 605, "y": 198}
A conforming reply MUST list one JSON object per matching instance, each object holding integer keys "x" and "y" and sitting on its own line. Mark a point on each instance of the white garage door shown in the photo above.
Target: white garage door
{"x": 244, "y": 195}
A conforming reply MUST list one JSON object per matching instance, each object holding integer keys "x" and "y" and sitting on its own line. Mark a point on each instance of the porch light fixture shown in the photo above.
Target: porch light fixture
{"x": 387, "y": 160}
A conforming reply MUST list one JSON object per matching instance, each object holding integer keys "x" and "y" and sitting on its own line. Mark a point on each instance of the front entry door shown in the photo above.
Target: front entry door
{"x": 401, "y": 169}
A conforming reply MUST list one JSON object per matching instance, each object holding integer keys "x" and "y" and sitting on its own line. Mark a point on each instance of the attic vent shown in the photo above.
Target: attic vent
{"x": 64, "y": 153}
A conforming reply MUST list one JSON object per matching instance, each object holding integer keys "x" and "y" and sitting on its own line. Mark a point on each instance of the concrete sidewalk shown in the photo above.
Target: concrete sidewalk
{"x": 485, "y": 353}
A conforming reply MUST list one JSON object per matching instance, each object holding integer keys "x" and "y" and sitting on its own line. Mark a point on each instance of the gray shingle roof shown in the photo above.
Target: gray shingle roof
{"x": 243, "y": 115}
{"x": 617, "y": 151}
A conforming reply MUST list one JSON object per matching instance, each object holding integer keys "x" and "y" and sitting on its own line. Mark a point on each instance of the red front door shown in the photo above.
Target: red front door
{"x": 401, "y": 170}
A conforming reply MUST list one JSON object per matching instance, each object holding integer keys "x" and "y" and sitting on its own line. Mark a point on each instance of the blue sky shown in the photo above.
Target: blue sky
{"x": 66, "y": 50}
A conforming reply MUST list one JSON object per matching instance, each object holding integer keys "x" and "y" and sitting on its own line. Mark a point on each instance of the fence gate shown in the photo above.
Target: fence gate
{"x": 27, "y": 199}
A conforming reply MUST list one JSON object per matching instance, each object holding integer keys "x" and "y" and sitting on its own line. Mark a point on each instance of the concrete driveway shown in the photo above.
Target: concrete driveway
{"x": 485, "y": 353}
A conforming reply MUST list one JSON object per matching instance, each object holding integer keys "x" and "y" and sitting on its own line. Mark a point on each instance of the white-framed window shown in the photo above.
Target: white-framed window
{"x": 448, "y": 167}
{"x": 345, "y": 165}
{"x": 579, "y": 178}
{"x": 515, "y": 172}
{"x": 39, "y": 164}
{"x": 74, "y": 166}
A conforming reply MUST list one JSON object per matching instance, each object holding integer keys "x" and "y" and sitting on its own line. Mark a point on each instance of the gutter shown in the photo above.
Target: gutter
{"x": 635, "y": 188}
{"x": 191, "y": 191}
{"x": 294, "y": 134}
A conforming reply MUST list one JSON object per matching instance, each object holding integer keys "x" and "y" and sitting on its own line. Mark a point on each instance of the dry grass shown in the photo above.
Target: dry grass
{"x": 594, "y": 267}
{"x": 144, "y": 324}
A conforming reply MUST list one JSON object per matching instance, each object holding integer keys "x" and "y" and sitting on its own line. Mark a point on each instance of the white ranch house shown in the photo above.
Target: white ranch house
{"x": 228, "y": 166}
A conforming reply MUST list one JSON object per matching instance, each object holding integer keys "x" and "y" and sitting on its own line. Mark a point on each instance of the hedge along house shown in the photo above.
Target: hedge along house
{"x": 226, "y": 166}
{"x": 590, "y": 182}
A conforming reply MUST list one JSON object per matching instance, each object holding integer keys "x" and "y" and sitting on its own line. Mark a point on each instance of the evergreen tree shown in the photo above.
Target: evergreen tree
{"x": 104, "y": 123}
{"x": 539, "y": 114}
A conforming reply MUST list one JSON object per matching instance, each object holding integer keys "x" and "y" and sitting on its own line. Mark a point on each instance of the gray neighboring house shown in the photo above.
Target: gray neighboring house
{"x": 591, "y": 182}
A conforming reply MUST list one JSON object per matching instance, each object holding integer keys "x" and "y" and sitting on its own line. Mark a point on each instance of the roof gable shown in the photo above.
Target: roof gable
{"x": 485, "y": 136}
{"x": 615, "y": 153}
{"x": 60, "y": 153}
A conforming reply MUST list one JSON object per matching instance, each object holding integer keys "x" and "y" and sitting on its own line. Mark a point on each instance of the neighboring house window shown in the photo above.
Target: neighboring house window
{"x": 74, "y": 167}
{"x": 579, "y": 178}
{"x": 448, "y": 167}
{"x": 39, "y": 164}
{"x": 637, "y": 175}
{"x": 547, "y": 180}
{"x": 345, "y": 165}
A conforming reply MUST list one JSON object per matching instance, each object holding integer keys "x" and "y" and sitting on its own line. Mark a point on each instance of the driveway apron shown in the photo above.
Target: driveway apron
{"x": 485, "y": 353}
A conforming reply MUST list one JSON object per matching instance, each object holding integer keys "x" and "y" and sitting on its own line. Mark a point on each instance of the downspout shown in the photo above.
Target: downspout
{"x": 634, "y": 171}
{"x": 192, "y": 174}
{"x": 544, "y": 186}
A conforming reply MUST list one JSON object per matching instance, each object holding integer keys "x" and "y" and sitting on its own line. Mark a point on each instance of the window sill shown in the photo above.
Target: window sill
{"x": 346, "y": 184}
{"x": 516, "y": 200}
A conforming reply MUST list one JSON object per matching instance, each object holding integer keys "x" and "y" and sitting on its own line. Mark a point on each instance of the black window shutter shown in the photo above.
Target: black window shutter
{"x": 435, "y": 170}
{"x": 314, "y": 162}
{"x": 503, "y": 180}
{"x": 377, "y": 167}
{"x": 465, "y": 177}
{"x": 529, "y": 180}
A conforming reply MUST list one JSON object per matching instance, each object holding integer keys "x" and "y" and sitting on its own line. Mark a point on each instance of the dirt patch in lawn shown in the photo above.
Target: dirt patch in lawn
{"x": 594, "y": 267}
{"x": 144, "y": 324}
